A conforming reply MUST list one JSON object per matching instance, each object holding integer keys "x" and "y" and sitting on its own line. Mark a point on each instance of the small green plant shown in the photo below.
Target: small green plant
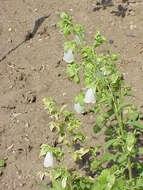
{"x": 119, "y": 168}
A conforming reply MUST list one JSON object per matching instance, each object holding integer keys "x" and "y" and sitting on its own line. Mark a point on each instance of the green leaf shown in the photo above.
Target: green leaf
{"x": 79, "y": 31}
{"x": 130, "y": 141}
{"x": 109, "y": 143}
{"x": 108, "y": 132}
{"x": 124, "y": 105}
{"x": 122, "y": 158}
{"x": 119, "y": 184}
{"x": 79, "y": 153}
{"x": 2, "y": 163}
{"x": 65, "y": 24}
{"x": 80, "y": 99}
{"x": 44, "y": 149}
{"x": 76, "y": 79}
{"x": 108, "y": 157}
{"x": 96, "y": 128}
{"x": 114, "y": 78}
{"x": 99, "y": 39}
{"x": 109, "y": 113}
{"x": 70, "y": 45}
{"x": 133, "y": 116}
{"x": 100, "y": 119}
{"x": 136, "y": 124}
{"x": 140, "y": 151}
{"x": 96, "y": 110}
{"x": 139, "y": 184}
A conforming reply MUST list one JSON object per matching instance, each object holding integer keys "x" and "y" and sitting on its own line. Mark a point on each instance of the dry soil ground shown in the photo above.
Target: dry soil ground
{"x": 31, "y": 72}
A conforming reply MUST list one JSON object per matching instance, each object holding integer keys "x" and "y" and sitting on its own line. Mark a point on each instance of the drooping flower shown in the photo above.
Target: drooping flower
{"x": 68, "y": 56}
{"x": 78, "y": 108}
{"x": 49, "y": 160}
{"x": 89, "y": 96}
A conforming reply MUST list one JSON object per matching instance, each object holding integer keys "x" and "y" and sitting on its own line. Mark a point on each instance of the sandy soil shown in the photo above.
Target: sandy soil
{"x": 31, "y": 72}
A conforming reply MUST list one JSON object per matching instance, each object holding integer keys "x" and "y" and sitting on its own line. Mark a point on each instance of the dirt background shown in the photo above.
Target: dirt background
{"x": 33, "y": 72}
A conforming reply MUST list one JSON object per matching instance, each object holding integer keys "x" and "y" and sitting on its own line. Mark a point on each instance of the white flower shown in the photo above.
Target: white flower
{"x": 89, "y": 96}
{"x": 78, "y": 108}
{"x": 49, "y": 160}
{"x": 104, "y": 73}
{"x": 68, "y": 56}
{"x": 64, "y": 182}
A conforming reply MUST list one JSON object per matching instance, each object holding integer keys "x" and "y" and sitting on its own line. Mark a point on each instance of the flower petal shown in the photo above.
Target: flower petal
{"x": 49, "y": 160}
{"x": 68, "y": 56}
{"x": 89, "y": 96}
{"x": 78, "y": 108}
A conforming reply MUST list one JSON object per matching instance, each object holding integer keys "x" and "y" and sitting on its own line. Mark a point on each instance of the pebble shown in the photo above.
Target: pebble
{"x": 10, "y": 29}
{"x": 27, "y": 125}
{"x": 111, "y": 41}
{"x": 9, "y": 41}
{"x": 64, "y": 94}
{"x": 16, "y": 114}
{"x": 132, "y": 27}
{"x": 21, "y": 76}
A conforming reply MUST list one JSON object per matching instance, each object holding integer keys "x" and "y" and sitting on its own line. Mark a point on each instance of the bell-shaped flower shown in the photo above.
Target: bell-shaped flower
{"x": 68, "y": 56}
{"x": 49, "y": 160}
{"x": 78, "y": 108}
{"x": 89, "y": 96}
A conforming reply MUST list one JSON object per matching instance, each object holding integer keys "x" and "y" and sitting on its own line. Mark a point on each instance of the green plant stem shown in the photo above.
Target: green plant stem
{"x": 130, "y": 168}
{"x": 122, "y": 133}
{"x": 116, "y": 112}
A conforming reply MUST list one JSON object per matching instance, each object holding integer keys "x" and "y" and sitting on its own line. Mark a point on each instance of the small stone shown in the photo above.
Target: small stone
{"x": 35, "y": 10}
{"x": 64, "y": 94}
{"x": 9, "y": 40}
{"x": 132, "y": 27}
{"x": 111, "y": 41}
{"x": 16, "y": 114}
{"x": 31, "y": 98}
{"x": 27, "y": 125}
{"x": 21, "y": 76}
{"x": 10, "y": 29}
